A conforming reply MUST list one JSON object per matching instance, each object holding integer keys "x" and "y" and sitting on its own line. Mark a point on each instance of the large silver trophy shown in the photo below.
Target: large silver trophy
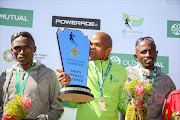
{"x": 74, "y": 51}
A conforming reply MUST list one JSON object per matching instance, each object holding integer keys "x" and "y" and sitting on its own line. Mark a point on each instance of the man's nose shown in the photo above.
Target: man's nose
{"x": 92, "y": 46}
{"x": 148, "y": 54}
{"x": 22, "y": 50}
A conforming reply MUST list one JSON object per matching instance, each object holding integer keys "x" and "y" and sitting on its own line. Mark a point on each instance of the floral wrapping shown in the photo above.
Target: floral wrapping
{"x": 137, "y": 90}
{"x": 175, "y": 115}
{"x": 17, "y": 108}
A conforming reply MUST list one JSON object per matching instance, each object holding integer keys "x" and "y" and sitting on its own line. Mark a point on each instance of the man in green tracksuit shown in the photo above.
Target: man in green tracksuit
{"x": 109, "y": 96}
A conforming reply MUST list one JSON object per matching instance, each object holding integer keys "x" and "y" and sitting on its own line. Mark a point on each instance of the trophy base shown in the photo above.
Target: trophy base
{"x": 76, "y": 93}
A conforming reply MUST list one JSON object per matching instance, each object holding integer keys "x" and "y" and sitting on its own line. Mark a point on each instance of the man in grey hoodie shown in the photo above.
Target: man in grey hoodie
{"x": 32, "y": 79}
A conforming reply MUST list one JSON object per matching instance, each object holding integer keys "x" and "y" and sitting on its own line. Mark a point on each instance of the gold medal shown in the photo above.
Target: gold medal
{"x": 101, "y": 104}
{"x": 74, "y": 52}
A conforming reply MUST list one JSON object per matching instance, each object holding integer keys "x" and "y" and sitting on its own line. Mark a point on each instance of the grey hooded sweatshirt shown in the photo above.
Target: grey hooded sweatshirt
{"x": 41, "y": 86}
{"x": 163, "y": 85}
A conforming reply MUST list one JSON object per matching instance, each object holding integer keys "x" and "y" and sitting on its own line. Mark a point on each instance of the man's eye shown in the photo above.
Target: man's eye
{"x": 17, "y": 49}
{"x": 143, "y": 52}
{"x": 152, "y": 51}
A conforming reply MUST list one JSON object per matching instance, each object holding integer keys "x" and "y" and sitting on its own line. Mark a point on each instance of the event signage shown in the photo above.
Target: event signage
{"x": 8, "y": 56}
{"x": 128, "y": 60}
{"x": 131, "y": 25}
{"x": 72, "y": 22}
{"x": 16, "y": 17}
{"x": 173, "y": 29}
{"x": 74, "y": 51}
{"x": 132, "y": 20}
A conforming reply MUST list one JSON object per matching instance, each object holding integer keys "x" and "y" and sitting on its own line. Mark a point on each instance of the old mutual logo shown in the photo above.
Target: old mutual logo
{"x": 16, "y": 17}
{"x": 132, "y": 20}
{"x": 173, "y": 29}
{"x": 126, "y": 60}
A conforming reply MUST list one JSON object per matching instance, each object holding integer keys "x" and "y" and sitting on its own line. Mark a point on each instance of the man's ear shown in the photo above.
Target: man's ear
{"x": 34, "y": 49}
{"x": 108, "y": 50}
{"x": 135, "y": 56}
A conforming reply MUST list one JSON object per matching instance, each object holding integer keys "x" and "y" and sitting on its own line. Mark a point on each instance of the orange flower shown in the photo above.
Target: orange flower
{"x": 9, "y": 117}
{"x": 139, "y": 91}
{"x": 26, "y": 104}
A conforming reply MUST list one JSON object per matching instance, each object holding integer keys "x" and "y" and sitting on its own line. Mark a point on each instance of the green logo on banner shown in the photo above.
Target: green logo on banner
{"x": 126, "y": 60}
{"x": 16, "y": 17}
{"x": 173, "y": 29}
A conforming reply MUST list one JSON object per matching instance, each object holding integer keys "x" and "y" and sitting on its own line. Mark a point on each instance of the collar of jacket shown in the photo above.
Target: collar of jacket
{"x": 103, "y": 61}
{"x": 150, "y": 72}
{"x": 36, "y": 62}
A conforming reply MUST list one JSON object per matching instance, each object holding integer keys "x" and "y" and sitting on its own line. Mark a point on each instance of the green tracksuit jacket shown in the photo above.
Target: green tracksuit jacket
{"x": 114, "y": 94}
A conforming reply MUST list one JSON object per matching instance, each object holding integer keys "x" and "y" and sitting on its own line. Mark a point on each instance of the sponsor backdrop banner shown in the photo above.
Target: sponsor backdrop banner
{"x": 124, "y": 20}
{"x": 83, "y": 23}
{"x": 16, "y": 17}
{"x": 173, "y": 29}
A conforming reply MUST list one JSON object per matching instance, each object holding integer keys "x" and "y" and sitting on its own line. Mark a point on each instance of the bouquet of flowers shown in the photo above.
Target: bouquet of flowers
{"x": 17, "y": 108}
{"x": 137, "y": 90}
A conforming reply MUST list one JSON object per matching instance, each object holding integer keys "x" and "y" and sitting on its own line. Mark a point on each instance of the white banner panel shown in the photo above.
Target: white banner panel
{"x": 124, "y": 20}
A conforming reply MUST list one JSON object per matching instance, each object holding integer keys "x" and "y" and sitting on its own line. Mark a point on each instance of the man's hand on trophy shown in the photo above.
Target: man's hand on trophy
{"x": 63, "y": 77}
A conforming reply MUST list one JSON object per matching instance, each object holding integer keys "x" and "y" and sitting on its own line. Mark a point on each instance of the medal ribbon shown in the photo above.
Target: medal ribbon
{"x": 103, "y": 77}
{"x": 142, "y": 77}
{"x": 20, "y": 89}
